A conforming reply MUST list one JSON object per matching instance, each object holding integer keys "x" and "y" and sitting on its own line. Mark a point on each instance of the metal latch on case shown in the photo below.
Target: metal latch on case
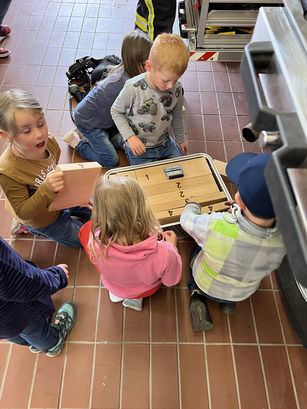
{"x": 173, "y": 172}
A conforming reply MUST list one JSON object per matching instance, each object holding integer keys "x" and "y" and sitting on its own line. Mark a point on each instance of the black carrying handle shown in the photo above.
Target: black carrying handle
{"x": 258, "y": 58}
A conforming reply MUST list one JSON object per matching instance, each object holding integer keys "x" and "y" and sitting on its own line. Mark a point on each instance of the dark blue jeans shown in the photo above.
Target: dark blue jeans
{"x": 40, "y": 334}
{"x": 166, "y": 151}
{"x": 192, "y": 286}
{"x": 97, "y": 147}
{"x": 65, "y": 230}
{"x": 4, "y": 5}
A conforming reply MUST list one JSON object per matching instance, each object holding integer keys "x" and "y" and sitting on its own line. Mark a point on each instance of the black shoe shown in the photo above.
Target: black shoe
{"x": 200, "y": 313}
{"x": 228, "y": 307}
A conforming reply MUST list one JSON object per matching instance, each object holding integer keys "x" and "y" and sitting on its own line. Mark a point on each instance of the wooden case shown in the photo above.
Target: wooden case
{"x": 200, "y": 183}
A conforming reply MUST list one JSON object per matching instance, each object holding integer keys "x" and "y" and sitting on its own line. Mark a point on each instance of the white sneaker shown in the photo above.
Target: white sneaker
{"x": 72, "y": 138}
{"x": 114, "y": 298}
{"x": 135, "y": 304}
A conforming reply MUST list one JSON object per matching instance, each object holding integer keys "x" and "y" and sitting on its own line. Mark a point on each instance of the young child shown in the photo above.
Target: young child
{"x": 236, "y": 249}
{"x": 126, "y": 244}
{"x": 151, "y": 103}
{"x": 26, "y": 306}
{"x": 27, "y": 171}
{"x": 92, "y": 115}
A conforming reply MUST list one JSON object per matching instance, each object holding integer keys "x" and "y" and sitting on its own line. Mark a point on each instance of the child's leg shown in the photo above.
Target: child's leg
{"x": 40, "y": 334}
{"x": 169, "y": 150}
{"x": 97, "y": 147}
{"x": 65, "y": 230}
{"x": 149, "y": 156}
{"x": 198, "y": 305}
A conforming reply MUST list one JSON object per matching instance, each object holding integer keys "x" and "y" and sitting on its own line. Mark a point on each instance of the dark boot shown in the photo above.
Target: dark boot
{"x": 200, "y": 313}
{"x": 228, "y": 307}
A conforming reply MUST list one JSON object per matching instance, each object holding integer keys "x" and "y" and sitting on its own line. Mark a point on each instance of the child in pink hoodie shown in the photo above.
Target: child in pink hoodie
{"x": 126, "y": 244}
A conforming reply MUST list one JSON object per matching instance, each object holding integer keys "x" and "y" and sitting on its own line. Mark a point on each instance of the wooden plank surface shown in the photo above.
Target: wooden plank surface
{"x": 79, "y": 184}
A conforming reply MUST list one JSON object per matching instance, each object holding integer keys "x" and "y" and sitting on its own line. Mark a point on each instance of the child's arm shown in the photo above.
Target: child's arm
{"x": 173, "y": 271}
{"x": 178, "y": 124}
{"x": 197, "y": 224}
{"x": 27, "y": 207}
{"x": 20, "y": 281}
{"x": 121, "y": 105}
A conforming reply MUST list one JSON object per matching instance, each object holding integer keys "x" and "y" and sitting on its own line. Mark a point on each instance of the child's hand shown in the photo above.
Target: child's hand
{"x": 170, "y": 237}
{"x": 54, "y": 181}
{"x": 65, "y": 268}
{"x": 184, "y": 147}
{"x": 136, "y": 145}
{"x": 229, "y": 203}
{"x": 89, "y": 204}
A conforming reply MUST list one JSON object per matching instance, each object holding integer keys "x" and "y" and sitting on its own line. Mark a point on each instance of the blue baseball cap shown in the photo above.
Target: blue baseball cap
{"x": 246, "y": 170}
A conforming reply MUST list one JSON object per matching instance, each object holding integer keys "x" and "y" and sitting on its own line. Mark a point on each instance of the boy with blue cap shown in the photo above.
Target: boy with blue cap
{"x": 236, "y": 249}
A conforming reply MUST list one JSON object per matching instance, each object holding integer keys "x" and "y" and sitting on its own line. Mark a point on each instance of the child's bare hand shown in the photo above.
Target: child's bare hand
{"x": 89, "y": 204}
{"x": 65, "y": 268}
{"x": 184, "y": 147}
{"x": 170, "y": 237}
{"x": 229, "y": 203}
{"x": 136, "y": 145}
{"x": 54, "y": 181}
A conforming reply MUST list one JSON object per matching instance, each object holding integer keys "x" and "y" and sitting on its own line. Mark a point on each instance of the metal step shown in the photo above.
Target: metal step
{"x": 232, "y": 18}
{"x": 227, "y": 41}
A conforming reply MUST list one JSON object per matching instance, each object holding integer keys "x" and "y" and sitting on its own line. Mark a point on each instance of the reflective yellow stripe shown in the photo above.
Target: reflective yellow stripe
{"x": 141, "y": 22}
{"x": 151, "y": 16}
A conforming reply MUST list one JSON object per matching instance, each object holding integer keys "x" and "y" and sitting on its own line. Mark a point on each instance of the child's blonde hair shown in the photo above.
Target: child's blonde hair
{"x": 12, "y": 101}
{"x": 169, "y": 53}
{"x": 121, "y": 213}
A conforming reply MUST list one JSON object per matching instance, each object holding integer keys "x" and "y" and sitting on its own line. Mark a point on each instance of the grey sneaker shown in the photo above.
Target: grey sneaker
{"x": 136, "y": 304}
{"x": 34, "y": 350}
{"x": 64, "y": 321}
{"x": 200, "y": 313}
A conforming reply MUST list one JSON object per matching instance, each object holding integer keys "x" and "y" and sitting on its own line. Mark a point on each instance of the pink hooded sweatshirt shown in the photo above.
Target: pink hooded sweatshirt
{"x": 130, "y": 271}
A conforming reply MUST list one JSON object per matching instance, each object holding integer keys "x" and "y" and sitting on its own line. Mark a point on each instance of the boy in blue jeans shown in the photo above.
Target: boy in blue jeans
{"x": 26, "y": 306}
{"x": 151, "y": 103}
{"x": 236, "y": 249}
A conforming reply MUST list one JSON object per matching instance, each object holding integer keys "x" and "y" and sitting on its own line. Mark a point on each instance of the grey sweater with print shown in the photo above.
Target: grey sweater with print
{"x": 148, "y": 113}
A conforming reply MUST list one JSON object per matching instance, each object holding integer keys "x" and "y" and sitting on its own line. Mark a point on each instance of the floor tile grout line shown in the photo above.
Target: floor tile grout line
{"x": 177, "y": 351}
{"x": 202, "y": 112}
{"x": 32, "y": 382}
{"x": 287, "y": 353}
{"x": 219, "y": 112}
{"x": 234, "y": 363}
{"x": 150, "y": 356}
{"x": 5, "y": 369}
{"x": 235, "y": 108}
{"x": 205, "y": 345}
{"x": 260, "y": 355}
{"x": 95, "y": 347}
{"x": 122, "y": 359}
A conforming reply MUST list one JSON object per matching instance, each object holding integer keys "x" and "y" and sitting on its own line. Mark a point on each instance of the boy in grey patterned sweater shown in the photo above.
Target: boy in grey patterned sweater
{"x": 151, "y": 103}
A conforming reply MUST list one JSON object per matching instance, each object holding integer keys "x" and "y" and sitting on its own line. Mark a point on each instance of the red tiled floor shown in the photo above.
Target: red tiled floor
{"x": 116, "y": 357}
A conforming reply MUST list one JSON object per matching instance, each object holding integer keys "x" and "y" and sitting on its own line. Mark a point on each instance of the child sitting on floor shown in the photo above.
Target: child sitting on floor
{"x": 236, "y": 249}
{"x": 92, "y": 115}
{"x": 27, "y": 171}
{"x": 151, "y": 103}
{"x": 26, "y": 306}
{"x": 126, "y": 244}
